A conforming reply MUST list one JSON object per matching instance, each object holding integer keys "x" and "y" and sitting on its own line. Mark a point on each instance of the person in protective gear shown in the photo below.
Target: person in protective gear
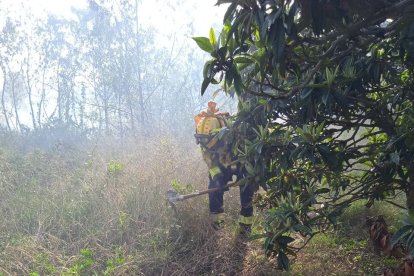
{"x": 222, "y": 167}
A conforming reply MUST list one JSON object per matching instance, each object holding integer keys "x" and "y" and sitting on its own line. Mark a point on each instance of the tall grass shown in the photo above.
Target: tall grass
{"x": 99, "y": 208}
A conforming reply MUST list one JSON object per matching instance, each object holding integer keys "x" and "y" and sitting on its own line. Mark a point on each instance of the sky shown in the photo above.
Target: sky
{"x": 40, "y": 7}
{"x": 162, "y": 15}
{"x": 191, "y": 18}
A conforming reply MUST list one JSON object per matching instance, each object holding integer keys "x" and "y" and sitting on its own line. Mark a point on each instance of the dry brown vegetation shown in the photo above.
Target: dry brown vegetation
{"x": 100, "y": 209}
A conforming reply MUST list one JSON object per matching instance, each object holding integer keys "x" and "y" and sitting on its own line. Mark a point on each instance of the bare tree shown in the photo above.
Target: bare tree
{"x": 3, "y": 95}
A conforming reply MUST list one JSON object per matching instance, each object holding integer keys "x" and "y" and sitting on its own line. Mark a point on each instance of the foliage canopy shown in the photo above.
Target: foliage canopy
{"x": 326, "y": 111}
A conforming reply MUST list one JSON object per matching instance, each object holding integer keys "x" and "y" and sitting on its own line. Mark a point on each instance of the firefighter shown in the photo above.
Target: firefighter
{"x": 222, "y": 167}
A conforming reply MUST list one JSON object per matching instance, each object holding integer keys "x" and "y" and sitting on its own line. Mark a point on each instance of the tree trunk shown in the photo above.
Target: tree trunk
{"x": 59, "y": 96}
{"x": 41, "y": 102}
{"x": 120, "y": 123}
{"x": 139, "y": 72}
{"x": 410, "y": 189}
{"x": 141, "y": 101}
{"x": 3, "y": 100}
{"x": 106, "y": 111}
{"x": 73, "y": 104}
{"x": 82, "y": 108}
{"x": 16, "y": 113}
{"x": 29, "y": 92}
{"x": 67, "y": 101}
{"x": 131, "y": 113}
{"x": 98, "y": 105}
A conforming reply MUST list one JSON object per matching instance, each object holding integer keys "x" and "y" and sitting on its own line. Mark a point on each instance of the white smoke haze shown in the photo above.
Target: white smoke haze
{"x": 97, "y": 106}
{"x": 104, "y": 67}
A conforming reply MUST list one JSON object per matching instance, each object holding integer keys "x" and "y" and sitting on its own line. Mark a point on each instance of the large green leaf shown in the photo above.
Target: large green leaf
{"x": 231, "y": 10}
{"x": 285, "y": 240}
{"x": 204, "y": 86}
{"x": 402, "y": 233}
{"x": 244, "y": 59}
{"x": 277, "y": 41}
{"x": 329, "y": 157}
{"x": 318, "y": 16}
{"x": 204, "y": 44}
{"x": 282, "y": 261}
{"x": 213, "y": 40}
{"x": 238, "y": 84}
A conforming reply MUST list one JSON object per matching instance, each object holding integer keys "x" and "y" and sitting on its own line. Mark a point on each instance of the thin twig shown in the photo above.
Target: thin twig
{"x": 395, "y": 204}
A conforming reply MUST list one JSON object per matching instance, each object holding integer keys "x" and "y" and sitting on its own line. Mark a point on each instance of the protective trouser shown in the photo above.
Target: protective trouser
{"x": 246, "y": 195}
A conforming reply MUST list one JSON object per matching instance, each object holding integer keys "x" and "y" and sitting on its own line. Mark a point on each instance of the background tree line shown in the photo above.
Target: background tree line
{"x": 99, "y": 71}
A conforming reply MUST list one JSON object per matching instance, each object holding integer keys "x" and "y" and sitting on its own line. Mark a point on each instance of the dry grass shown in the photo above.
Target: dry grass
{"x": 80, "y": 210}
{"x": 101, "y": 209}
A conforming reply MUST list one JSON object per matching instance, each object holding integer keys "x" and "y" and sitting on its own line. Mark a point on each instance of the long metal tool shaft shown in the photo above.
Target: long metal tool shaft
{"x": 174, "y": 197}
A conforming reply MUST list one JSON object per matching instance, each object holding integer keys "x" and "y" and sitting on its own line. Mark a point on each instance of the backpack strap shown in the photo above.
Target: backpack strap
{"x": 206, "y": 141}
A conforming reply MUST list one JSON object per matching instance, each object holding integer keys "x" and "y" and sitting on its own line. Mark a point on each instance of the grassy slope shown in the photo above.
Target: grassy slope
{"x": 101, "y": 210}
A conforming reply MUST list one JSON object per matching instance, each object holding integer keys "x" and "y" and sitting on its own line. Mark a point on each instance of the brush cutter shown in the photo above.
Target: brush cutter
{"x": 173, "y": 196}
